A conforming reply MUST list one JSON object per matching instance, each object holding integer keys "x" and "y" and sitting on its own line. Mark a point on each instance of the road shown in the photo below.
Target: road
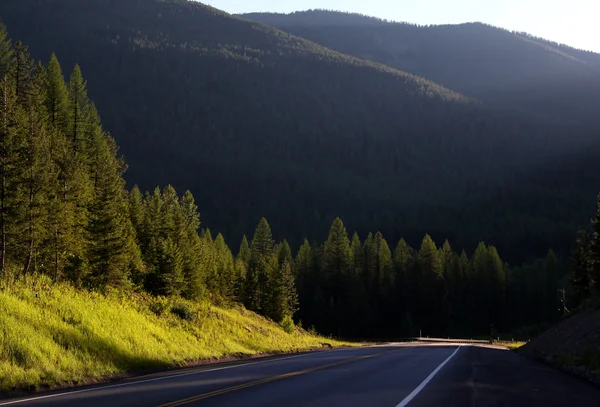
{"x": 388, "y": 375}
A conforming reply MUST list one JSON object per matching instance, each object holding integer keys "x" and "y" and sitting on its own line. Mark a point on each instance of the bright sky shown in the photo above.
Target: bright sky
{"x": 573, "y": 22}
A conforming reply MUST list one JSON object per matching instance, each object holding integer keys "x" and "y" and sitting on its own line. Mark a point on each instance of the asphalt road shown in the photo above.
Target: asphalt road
{"x": 389, "y": 376}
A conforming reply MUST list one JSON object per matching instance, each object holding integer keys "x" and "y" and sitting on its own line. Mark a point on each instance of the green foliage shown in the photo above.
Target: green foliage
{"x": 288, "y": 325}
{"x": 5, "y": 50}
{"x": 428, "y": 169}
{"x": 184, "y": 312}
{"x": 54, "y": 334}
{"x": 65, "y": 213}
{"x": 159, "y": 305}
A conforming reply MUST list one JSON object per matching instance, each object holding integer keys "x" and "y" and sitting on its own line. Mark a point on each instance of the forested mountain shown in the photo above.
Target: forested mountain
{"x": 256, "y": 122}
{"x": 65, "y": 213}
{"x": 511, "y": 70}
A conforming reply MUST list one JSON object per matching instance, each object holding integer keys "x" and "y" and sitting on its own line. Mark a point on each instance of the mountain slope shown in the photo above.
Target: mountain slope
{"x": 260, "y": 123}
{"x": 512, "y": 70}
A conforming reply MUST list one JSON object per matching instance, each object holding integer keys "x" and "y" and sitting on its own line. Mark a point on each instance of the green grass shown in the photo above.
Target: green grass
{"x": 57, "y": 335}
{"x": 512, "y": 345}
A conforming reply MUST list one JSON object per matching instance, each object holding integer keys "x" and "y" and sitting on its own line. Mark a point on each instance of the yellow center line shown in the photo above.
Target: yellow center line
{"x": 268, "y": 380}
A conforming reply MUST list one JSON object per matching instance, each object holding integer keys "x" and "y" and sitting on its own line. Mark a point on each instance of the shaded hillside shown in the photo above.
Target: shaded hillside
{"x": 513, "y": 70}
{"x": 573, "y": 345}
{"x": 259, "y": 123}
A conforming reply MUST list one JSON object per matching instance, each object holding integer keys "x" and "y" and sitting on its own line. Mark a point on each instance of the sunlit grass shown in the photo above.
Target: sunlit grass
{"x": 56, "y": 334}
{"x": 510, "y": 344}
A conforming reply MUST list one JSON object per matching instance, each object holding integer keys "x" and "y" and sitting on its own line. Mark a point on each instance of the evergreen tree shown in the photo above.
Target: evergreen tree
{"x": 113, "y": 251}
{"x": 284, "y": 298}
{"x": 190, "y": 244}
{"x": 260, "y": 267}
{"x": 244, "y": 254}
{"x": 57, "y": 96}
{"x": 595, "y": 250}
{"x": 78, "y": 109}
{"x": 35, "y": 175}
{"x": 21, "y": 73}
{"x": 167, "y": 277}
{"x": 6, "y": 135}
{"x": 284, "y": 253}
{"x": 385, "y": 267}
{"x": 225, "y": 269}
{"x": 242, "y": 261}
{"x": 5, "y": 51}
{"x": 355, "y": 255}
{"x": 137, "y": 210}
{"x": 580, "y": 277}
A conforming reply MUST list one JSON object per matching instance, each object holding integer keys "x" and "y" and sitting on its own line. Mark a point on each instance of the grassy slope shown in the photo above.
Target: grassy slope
{"x": 57, "y": 335}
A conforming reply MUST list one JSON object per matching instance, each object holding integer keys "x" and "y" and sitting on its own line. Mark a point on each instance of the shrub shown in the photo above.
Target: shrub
{"x": 159, "y": 305}
{"x": 288, "y": 324}
{"x": 183, "y": 312}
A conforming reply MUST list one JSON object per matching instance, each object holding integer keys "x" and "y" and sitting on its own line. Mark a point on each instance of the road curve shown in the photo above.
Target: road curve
{"x": 388, "y": 376}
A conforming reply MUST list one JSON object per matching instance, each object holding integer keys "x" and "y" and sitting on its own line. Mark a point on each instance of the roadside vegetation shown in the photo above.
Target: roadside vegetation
{"x": 54, "y": 334}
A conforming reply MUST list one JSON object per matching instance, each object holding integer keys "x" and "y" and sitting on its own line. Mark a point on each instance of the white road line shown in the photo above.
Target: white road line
{"x": 416, "y": 391}
{"x": 170, "y": 377}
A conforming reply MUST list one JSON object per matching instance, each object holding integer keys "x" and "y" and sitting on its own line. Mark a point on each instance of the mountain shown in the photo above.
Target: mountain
{"x": 511, "y": 70}
{"x": 257, "y": 122}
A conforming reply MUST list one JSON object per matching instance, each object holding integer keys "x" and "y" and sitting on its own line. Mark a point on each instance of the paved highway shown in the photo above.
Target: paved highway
{"x": 389, "y": 376}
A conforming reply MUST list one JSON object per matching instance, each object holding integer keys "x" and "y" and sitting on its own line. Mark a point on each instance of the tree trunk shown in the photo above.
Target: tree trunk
{"x": 31, "y": 233}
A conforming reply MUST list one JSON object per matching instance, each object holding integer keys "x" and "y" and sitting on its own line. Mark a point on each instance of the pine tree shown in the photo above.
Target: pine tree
{"x": 5, "y": 51}
{"x": 7, "y": 119}
{"x": 136, "y": 209}
{"x": 355, "y": 255}
{"x": 284, "y": 299}
{"x": 225, "y": 268}
{"x": 337, "y": 251}
{"x": 284, "y": 253}
{"x": 369, "y": 257}
{"x": 430, "y": 287}
{"x": 78, "y": 109}
{"x": 57, "y": 96}
{"x": 21, "y": 72}
{"x": 595, "y": 250}
{"x": 385, "y": 267}
{"x": 260, "y": 267}
{"x": 113, "y": 251}
{"x": 242, "y": 261}
{"x": 244, "y": 254}
{"x": 194, "y": 277}
{"x": 167, "y": 278}
{"x": 580, "y": 277}
{"x": 35, "y": 175}
{"x": 495, "y": 286}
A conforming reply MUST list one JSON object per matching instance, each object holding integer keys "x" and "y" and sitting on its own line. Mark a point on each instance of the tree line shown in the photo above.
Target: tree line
{"x": 585, "y": 279}
{"x": 65, "y": 212}
{"x": 258, "y": 123}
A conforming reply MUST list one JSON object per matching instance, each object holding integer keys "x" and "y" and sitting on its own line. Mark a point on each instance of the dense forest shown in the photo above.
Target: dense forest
{"x": 506, "y": 69}
{"x": 259, "y": 123}
{"x": 65, "y": 212}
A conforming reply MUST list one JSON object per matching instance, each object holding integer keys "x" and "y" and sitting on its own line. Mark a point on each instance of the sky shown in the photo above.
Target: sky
{"x": 571, "y": 22}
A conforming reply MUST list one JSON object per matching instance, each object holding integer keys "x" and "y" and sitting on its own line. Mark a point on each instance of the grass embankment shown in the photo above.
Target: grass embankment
{"x": 510, "y": 344}
{"x": 57, "y": 335}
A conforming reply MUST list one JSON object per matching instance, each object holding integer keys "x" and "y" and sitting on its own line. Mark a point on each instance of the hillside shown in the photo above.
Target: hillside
{"x": 512, "y": 70}
{"x": 256, "y": 122}
{"x": 573, "y": 345}
{"x": 54, "y": 334}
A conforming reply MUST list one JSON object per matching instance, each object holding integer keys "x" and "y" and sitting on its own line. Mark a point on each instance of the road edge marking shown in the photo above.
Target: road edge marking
{"x": 424, "y": 383}
{"x": 169, "y": 377}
